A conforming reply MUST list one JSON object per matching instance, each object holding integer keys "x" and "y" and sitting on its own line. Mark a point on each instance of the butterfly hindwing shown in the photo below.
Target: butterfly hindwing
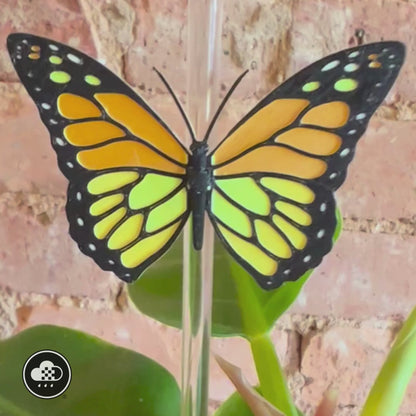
{"x": 297, "y": 141}
{"x": 128, "y": 218}
{"x": 266, "y": 221}
{"x": 126, "y": 199}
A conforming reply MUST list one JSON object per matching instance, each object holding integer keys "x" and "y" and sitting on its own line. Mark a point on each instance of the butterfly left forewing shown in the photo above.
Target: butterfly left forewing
{"x": 127, "y": 200}
{"x": 304, "y": 133}
{"x": 70, "y": 87}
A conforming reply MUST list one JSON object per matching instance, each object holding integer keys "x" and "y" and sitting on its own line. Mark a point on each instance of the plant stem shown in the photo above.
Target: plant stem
{"x": 270, "y": 373}
{"x": 390, "y": 386}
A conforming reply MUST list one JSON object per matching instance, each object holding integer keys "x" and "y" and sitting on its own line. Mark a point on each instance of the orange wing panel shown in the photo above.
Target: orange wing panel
{"x": 314, "y": 141}
{"x": 260, "y": 127}
{"x": 73, "y": 107}
{"x": 91, "y": 132}
{"x": 330, "y": 115}
{"x": 126, "y": 154}
{"x": 142, "y": 124}
{"x": 276, "y": 160}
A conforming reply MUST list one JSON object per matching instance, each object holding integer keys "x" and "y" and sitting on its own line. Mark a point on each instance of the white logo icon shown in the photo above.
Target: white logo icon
{"x": 46, "y": 371}
{"x": 46, "y": 374}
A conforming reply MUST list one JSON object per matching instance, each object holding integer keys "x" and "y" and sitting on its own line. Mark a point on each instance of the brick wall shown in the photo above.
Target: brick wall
{"x": 347, "y": 316}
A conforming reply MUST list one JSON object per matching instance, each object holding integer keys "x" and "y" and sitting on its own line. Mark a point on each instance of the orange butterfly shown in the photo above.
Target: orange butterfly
{"x": 267, "y": 187}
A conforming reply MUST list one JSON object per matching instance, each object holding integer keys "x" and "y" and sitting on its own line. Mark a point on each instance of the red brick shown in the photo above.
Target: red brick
{"x": 254, "y": 37}
{"x": 349, "y": 360}
{"x": 365, "y": 275}
{"x": 8, "y": 319}
{"x": 322, "y": 27}
{"x": 62, "y": 21}
{"x": 27, "y": 160}
{"x": 44, "y": 259}
{"x": 381, "y": 178}
{"x": 112, "y": 25}
{"x": 159, "y": 42}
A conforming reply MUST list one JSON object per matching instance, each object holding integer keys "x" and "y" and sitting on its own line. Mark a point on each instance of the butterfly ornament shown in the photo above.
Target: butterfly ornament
{"x": 268, "y": 187}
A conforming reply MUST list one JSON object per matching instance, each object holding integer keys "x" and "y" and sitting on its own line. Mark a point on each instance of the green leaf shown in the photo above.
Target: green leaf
{"x": 234, "y": 406}
{"x": 158, "y": 293}
{"x": 257, "y": 403}
{"x": 273, "y": 386}
{"x": 390, "y": 386}
{"x": 106, "y": 380}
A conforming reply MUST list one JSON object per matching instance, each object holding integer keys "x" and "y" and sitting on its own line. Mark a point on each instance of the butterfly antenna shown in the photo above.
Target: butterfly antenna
{"x": 224, "y": 101}
{"x": 178, "y": 104}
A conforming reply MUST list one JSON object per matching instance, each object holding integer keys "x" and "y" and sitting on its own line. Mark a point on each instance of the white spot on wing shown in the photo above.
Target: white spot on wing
{"x": 345, "y": 152}
{"x": 330, "y": 65}
{"x": 320, "y": 233}
{"x": 73, "y": 58}
{"x": 351, "y": 67}
{"x": 353, "y": 54}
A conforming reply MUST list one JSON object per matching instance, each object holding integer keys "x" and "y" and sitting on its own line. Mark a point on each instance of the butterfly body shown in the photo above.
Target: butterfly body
{"x": 268, "y": 187}
{"x": 199, "y": 182}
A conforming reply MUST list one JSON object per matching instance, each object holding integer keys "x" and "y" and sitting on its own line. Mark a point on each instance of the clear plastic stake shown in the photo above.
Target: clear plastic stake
{"x": 204, "y": 46}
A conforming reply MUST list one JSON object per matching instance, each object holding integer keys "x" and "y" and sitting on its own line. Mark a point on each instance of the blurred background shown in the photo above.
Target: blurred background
{"x": 339, "y": 330}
